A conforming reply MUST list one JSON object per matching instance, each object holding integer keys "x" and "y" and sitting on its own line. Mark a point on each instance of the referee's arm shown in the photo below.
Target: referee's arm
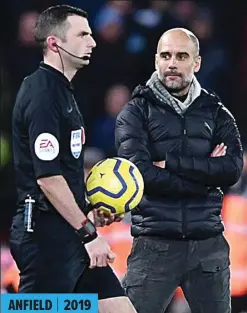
{"x": 42, "y": 118}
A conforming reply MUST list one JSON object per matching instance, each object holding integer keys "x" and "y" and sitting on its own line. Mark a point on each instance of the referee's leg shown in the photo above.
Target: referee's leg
{"x": 113, "y": 305}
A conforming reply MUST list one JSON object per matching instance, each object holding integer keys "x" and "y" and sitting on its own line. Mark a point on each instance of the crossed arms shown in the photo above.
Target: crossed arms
{"x": 178, "y": 174}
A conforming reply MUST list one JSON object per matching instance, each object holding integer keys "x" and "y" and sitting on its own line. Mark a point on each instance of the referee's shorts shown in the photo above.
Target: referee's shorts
{"x": 53, "y": 260}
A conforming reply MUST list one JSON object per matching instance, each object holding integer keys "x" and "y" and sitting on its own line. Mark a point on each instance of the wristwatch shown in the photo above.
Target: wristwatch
{"x": 88, "y": 231}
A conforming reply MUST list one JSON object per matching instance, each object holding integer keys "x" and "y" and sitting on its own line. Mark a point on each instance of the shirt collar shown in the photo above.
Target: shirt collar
{"x": 56, "y": 73}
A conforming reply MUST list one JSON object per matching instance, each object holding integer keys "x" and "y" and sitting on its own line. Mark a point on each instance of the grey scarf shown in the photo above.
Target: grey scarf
{"x": 163, "y": 95}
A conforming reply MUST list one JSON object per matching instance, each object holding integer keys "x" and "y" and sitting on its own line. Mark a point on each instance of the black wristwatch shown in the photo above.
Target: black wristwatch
{"x": 88, "y": 231}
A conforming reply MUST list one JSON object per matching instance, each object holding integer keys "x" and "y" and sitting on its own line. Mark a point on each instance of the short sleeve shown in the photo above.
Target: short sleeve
{"x": 42, "y": 118}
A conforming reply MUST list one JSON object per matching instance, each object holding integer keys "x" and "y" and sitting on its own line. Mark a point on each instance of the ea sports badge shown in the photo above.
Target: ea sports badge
{"x": 46, "y": 147}
{"x": 76, "y": 143}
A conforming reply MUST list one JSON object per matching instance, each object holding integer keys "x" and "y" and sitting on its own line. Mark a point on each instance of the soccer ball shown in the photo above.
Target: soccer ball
{"x": 114, "y": 185}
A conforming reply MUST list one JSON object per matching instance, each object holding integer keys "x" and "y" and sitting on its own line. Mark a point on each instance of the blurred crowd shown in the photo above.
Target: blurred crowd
{"x": 126, "y": 33}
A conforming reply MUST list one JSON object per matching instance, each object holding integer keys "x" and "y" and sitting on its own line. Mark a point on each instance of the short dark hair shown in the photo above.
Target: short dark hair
{"x": 52, "y": 21}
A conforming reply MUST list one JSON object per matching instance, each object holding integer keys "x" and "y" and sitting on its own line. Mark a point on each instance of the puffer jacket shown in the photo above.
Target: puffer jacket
{"x": 184, "y": 199}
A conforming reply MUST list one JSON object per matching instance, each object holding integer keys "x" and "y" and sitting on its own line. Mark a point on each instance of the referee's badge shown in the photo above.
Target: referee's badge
{"x": 76, "y": 143}
{"x": 46, "y": 147}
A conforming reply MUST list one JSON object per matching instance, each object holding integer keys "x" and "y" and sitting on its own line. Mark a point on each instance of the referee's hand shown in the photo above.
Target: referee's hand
{"x": 101, "y": 219}
{"x": 99, "y": 253}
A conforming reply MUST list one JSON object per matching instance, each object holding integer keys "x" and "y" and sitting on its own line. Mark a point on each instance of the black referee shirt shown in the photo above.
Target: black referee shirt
{"x": 48, "y": 135}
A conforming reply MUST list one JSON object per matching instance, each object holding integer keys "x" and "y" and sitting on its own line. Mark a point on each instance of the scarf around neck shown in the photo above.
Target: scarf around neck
{"x": 163, "y": 95}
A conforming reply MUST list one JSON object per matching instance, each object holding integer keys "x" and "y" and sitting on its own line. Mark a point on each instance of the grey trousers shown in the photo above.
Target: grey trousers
{"x": 156, "y": 267}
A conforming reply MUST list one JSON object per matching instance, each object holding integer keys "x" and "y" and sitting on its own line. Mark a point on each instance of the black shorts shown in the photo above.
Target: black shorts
{"x": 53, "y": 260}
{"x": 100, "y": 280}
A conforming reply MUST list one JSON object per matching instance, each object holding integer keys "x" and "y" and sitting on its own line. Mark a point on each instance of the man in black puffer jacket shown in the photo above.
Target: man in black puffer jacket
{"x": 187, "y": 146}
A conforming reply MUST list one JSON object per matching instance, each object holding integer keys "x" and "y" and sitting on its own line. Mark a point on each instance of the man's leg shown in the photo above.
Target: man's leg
{"x": 206, "y": 286}
{"x": 155, "y": 268}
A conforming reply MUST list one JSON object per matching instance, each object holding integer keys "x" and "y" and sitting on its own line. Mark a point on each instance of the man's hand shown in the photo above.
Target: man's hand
{"x": 161, "y": 164}
{"x": 101, "y": 218}
{"x": 99, "y": 253}
{"x": 219, "y": 150}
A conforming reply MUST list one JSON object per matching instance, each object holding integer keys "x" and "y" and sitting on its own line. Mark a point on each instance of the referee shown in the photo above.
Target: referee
{"x": 53, "y": 242}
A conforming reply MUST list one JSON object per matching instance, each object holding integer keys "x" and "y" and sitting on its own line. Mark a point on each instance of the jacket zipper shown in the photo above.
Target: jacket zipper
{"x": 184, "y": 139}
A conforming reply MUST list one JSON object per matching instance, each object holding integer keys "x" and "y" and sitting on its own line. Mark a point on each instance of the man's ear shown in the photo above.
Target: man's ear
{"x": 156, "y": 62}
{"x": 197, "y": 66}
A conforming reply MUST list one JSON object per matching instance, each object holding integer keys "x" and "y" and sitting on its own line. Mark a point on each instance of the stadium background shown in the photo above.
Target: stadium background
{"x": 127, "y": 33}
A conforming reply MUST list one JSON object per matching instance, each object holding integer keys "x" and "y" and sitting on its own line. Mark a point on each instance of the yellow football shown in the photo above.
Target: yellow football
{"x": 114, "y": 185}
